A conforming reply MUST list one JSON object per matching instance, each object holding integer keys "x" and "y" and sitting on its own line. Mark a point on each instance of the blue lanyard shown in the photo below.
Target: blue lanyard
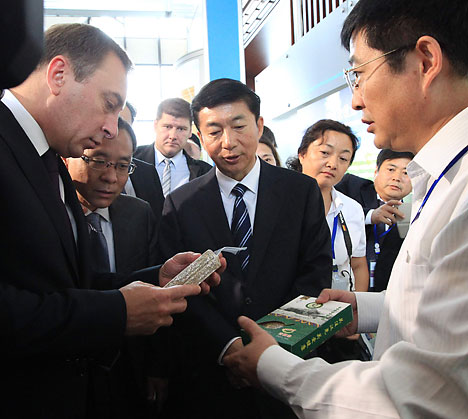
{"x": 335, "y": 227}
{"x": 378, "y": 237}
{"x": 428, "y": 194}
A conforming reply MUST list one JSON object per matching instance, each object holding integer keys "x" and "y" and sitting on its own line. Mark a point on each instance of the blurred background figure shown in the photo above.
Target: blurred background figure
{"x": 267, "y": 152}
{"x": 326, "y": 152}
{"x": 380, "y": 201}
{"x": 193, "y": 147}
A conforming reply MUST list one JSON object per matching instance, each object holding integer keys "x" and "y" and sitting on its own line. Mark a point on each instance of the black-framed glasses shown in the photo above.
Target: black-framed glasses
{"x": 99, "y": 164}
{"x": 352, "y": 79}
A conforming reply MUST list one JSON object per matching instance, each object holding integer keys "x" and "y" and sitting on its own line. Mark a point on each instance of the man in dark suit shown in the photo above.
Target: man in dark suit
{"x": 380, "y": 200}
{"x": 55, "y": 320}
{"x": 129, "y": 230}
{"x": 173, "y": 127}
{"x": 284, "y": 229}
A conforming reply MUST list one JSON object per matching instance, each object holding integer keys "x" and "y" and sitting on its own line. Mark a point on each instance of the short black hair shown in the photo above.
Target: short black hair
{"x": 84, "y": 45}
{"x": 387, "y": 154}
{"x": 222, "y": 91}
{"x": 392, "y": 24}
{"x": 316, "y": 131}
{"x": 132, "y": 110}
{"x": 123, "y": 124}
{"x": 176, "y": 107}
{"x": 269, "y": 136}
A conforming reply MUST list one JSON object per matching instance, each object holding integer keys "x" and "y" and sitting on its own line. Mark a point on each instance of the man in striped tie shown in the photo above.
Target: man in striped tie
{"x": 275, "y": 213}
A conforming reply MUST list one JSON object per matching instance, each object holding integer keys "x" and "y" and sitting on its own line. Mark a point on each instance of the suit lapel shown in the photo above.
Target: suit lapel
{"x": 269, "y": 203}
{"x": 194, "y": 169}
{"x": 35, "y": 172}
{"x": 71, "y": 199}
{"x": 369, "y": 196}
{"x": 212, "y": 212}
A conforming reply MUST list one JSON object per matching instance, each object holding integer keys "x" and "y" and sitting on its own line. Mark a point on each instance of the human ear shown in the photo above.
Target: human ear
{"x": 56, "y": 71}
{"x": 431, "y": 59}
{"x": 260, "y": 123}
{"x": 202, "y": 141}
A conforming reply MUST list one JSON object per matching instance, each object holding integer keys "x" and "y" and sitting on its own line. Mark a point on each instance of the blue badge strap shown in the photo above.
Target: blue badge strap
{"x": 335, "y": 227}
{"x": 378, "y": 237}
{"x": 428, "y": 194}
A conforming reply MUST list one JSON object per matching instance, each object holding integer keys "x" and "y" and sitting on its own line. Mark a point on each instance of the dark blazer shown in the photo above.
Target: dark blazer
{"x": 290, "y": 255}
{"x": 363, "y": 191}
{"x": 145, "y": 181}
{"x": 196, "y": 167}
{"x": 123, "y": 388}
{"x": 290, "y": 246}
{"x": 135, "y": 235}
{"x": 52, "y": 324}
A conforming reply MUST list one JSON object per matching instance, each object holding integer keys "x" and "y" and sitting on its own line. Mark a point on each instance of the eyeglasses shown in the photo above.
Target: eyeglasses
{"x": 353, "y": 79}
{"x": 101, "y": 165}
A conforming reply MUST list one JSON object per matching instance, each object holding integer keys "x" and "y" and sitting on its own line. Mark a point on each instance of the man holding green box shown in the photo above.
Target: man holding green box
{"x": 409, "y": 79}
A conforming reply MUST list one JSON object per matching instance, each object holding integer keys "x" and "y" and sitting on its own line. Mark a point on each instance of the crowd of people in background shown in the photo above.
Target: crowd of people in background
{"x": 96, "y": 225}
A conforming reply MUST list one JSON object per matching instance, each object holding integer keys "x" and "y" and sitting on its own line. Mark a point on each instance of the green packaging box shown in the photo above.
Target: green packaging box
{"x": 302, "y": 325}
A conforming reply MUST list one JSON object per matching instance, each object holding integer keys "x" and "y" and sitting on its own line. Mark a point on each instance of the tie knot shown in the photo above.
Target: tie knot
{"x": 167, "y": 162}
{"x": 49, "y": 158}
{"x": 94, "y": 220}
{"x": 239, "y": 190}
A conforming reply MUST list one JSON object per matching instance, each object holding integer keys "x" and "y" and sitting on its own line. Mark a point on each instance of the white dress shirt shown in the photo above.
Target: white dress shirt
{"x": 180, "y": 173}
{"x": 250, "y": 198}
{"x": 354, "y": 218}
{"x": 106, "y": 225}
{"x": 420, "y": 367}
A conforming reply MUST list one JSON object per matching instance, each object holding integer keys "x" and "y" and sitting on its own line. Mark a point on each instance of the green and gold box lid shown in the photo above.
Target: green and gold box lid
{"x": 301, "y": 325}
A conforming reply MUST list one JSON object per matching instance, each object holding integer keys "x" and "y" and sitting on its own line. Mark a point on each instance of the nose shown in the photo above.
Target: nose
{"x": 109, "y": 174}
{"x": 110, "y": 127}
{"x": 332, "y": 161}
{"x": 173, "y": 132}
{"x": 228, "y": 140}
{"x": 357, "y": 102}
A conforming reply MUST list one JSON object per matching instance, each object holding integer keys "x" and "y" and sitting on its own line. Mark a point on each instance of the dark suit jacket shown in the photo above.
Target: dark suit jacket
{"x": 290, "y": 255}
{"x": 123, "y": 388}
{"x": 52, "y": 323}
{"x": 363, "y": 191}
{"x": 196, "y": 167}
{"x": 135, "y": 236}
{"x": 145, "y": 181}
{"x": 291, "y": 250}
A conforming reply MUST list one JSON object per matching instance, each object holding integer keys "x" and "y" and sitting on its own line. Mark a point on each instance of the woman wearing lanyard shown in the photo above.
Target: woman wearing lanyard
{"x": 326, "y": 151}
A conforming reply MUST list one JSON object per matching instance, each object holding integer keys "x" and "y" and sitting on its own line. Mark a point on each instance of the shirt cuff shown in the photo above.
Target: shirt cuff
{"x": 272, "y": 369}
{"x": 221, "y": 355}
{"x": 368, "y": 219}
{"x": 369, "y": 307}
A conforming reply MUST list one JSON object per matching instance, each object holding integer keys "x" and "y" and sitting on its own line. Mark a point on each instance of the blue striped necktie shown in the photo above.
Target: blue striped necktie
{"x": 240, "y": 227}
{"x": 166, "y": 178}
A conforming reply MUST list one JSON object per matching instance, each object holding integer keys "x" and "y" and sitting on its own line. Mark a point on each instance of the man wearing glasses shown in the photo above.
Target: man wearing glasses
{"x": 413, "y": 99}
{"x": 122, "y": 230}
{"x": 127, "y": 223}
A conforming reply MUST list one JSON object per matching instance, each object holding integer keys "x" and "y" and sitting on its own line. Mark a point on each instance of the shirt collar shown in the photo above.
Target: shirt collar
{"x": 176, "y": 160}
{"x": 250, "y": 180}
{"x": 439, "y": 151}
{"x": 336, "y": 203}
{"x": 27, "y": 122}
{"x": 103, "y": 212}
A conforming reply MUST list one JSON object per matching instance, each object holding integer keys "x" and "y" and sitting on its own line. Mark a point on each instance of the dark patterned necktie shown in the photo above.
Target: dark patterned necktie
{"x": 240, "y": 227}
{"x": 100, "y": 253}
{"x": 49, "y": 158}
